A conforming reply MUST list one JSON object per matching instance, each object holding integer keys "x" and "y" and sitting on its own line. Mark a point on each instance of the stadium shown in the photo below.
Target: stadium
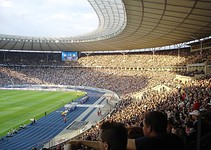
{"x": 145, "y": 55}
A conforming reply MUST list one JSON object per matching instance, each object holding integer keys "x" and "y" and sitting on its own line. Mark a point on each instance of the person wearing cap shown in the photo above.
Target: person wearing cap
{"x": 195, "y": 114}
{"x": 195, "y": 117}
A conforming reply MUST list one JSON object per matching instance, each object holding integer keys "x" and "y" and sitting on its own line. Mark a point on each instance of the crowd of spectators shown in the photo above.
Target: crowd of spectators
{"x": 119, "y": 81}
{"x": 177, "y": 103}
{"x": 129, "y": 60}
{"x": 180, "y": 104}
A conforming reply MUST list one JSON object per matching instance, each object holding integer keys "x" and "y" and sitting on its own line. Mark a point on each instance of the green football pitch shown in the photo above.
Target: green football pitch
{"x": 18, "y": 106}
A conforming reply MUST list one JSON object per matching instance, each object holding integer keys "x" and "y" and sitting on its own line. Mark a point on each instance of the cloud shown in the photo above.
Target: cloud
{"x": 47, "y": 17}
{"x": 5, "y": 4}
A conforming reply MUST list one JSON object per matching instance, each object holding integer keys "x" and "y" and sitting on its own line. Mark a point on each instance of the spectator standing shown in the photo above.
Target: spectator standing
{"x": 195, "y": 117}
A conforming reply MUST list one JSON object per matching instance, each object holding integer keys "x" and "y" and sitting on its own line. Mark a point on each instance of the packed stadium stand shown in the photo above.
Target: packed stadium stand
{"x": 140, "y": 90}
{"x": 175, "y": 81}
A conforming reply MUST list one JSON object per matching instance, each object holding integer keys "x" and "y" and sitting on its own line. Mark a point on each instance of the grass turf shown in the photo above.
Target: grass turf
{"x": 18, "y": 106}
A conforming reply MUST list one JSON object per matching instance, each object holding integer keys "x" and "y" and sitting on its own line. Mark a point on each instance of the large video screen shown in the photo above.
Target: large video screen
{"x": 69, "y": 56}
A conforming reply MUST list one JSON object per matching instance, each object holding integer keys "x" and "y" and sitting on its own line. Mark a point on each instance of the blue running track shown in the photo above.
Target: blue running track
{"x": 46, "y": 128}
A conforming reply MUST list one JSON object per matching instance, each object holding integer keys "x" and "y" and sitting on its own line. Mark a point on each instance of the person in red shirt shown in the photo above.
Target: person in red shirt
{"x": 196, "y": 105}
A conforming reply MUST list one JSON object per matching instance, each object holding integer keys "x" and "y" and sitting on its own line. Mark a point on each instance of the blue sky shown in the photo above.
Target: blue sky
{"x": 47, "y": 18}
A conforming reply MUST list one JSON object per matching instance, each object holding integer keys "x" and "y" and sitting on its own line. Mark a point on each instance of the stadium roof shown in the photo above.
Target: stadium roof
{"x": 127, "y": 25}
